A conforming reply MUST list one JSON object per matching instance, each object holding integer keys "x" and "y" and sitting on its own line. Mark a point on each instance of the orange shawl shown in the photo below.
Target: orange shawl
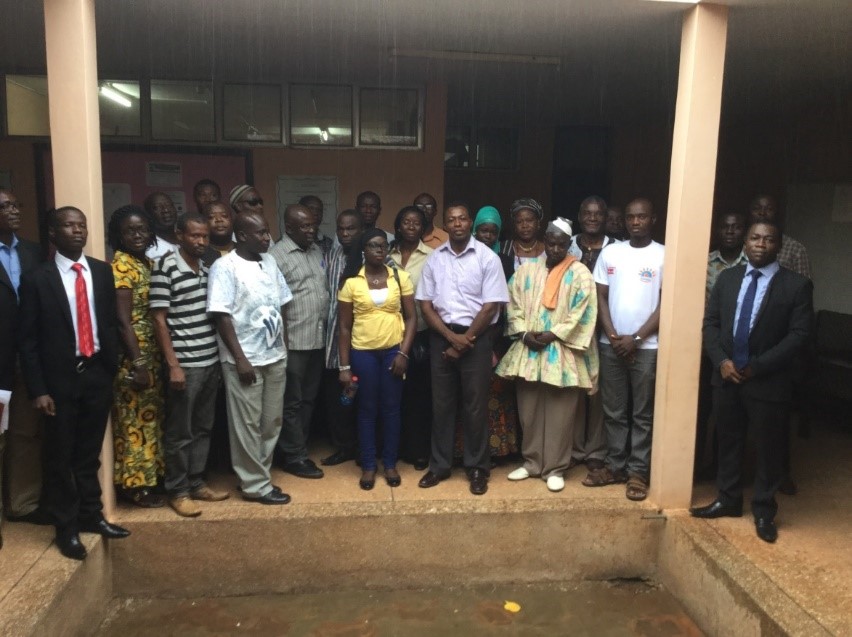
{"x": 554, "y": 282}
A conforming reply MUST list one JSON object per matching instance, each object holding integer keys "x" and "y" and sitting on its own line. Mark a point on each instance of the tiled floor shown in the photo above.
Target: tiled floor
{"x": 812, "y": 559}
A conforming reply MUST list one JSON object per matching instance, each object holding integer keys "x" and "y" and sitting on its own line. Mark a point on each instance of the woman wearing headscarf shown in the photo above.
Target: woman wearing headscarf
{"x": 502, "y": 409}
{"x": 552, "y": 313}
{"x": 525, "y": 244}
{"x": 377, "y": 327}
{"x": 486, "y": 228}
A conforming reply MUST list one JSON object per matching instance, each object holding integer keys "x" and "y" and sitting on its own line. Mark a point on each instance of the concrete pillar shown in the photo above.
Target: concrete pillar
{"x": 75, "y": 144}
{"x": 693, "y": 174}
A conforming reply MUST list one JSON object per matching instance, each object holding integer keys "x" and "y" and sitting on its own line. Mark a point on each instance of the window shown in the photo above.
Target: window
{"x": 320, "y": 115}
{"x": 389, "y": 117}
{"x": 118, "y": 102}
{"x": 182, "y": 111}
{"x": 497, "y": 148}
{"x": 457, "y": 147}
{"x": 27, "y": 105}
{"x": 252, "y": 113}
{"x": 484, "y": 147}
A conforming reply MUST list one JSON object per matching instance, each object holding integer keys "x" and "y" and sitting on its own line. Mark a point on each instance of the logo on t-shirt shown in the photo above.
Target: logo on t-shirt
{"x": 610, "y": 270}
{"x": 646, "y": 275}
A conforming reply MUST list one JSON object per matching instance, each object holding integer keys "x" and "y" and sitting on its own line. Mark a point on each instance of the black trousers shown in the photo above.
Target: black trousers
{"x": 340, "y": 419}
{"x": 734, "y": 414}
{"x": 72, "y": 447}
{"x": 461, "y": 387}
{"x": 417, "y": 403}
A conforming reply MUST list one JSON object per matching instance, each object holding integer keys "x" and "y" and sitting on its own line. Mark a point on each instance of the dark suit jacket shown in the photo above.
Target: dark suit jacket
{"x": 781, "y": 329}
{"x": 29, "y": 254}
{"x": 46, "y": 332}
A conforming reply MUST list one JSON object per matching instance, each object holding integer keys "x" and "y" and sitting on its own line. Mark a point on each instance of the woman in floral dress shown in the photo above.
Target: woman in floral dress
{"x": 138, "y": 408}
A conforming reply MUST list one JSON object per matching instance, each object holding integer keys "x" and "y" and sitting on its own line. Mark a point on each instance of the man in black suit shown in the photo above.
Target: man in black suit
{"x": 69, "y": 355}
{"x": 21, "y": 469}
{"x": 17, "y": 256}
{"x": 758, "y": 319}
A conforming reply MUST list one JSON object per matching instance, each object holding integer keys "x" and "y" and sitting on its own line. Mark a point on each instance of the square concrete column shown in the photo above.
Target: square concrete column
{"x": 693, "y": 175}
{"x": 75, "y": 143}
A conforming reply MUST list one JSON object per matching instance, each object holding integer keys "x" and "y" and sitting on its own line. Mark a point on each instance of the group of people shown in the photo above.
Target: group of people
{"x": 438, "y": 346}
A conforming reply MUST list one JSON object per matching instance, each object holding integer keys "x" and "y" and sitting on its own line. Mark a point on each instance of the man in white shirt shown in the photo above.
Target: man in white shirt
{"x": 246, "y": 295}
{"x": 164, "y": 215}
{"x": 629, "y": 279}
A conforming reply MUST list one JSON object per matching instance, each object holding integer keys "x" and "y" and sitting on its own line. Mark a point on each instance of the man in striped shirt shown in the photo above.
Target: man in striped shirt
{"x": 187, "y": 337}
{"x": 302, "y": 263}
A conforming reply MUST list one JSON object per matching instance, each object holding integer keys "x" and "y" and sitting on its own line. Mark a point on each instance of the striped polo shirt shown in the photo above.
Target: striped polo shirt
{"x": 175, "y": 286}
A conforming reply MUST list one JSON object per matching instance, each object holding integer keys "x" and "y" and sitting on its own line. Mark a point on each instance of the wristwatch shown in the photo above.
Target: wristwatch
{"x": 344, "y": 368}
{"x": 637, "y": 338}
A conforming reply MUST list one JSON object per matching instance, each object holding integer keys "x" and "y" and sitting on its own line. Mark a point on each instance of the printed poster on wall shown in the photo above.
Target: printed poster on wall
{"x": 163, "y": 174}
{"x": 293, "y": 188}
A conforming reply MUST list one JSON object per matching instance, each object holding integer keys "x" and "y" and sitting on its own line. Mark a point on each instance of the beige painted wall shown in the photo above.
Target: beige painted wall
{"x": 26, "y": 111}
{"x": 398, "y": 176}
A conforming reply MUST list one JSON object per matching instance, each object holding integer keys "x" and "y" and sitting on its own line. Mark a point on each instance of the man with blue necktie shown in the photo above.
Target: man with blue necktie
{"x": 758, "y": 319}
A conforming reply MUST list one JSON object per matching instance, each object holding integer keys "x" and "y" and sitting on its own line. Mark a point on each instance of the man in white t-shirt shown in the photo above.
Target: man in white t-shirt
{"x": 629, "y": 277}
{"x": 246, "y": 296}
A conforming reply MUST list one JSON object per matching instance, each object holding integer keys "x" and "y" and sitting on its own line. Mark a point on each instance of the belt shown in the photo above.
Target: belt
{"x": 84, "y": 363}
{"x": 457, "y": 329}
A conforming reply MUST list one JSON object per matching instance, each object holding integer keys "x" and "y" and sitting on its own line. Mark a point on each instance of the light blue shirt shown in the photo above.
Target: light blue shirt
{"x": 768, "y": 271}
{"x": 11, "y": 262}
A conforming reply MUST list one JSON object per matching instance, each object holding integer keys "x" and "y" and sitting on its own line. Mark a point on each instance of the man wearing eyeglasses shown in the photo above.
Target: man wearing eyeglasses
{"x": 301, "y": 262}
{"x": 432, "y": 236}
{"x": 23, "y": 441}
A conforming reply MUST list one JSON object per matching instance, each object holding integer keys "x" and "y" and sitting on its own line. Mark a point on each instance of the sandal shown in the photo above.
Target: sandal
{"x": 142, "y": 498}
{"x": 637, "y": 488}
{"x": 604, "y": 477}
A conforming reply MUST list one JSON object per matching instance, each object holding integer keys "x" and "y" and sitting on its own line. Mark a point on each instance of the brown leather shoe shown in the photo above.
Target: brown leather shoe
{"x": 478, "y": 482}
{"x": 207, "y": 494}
{"x": 184, "y": 506}
{"x": 430, "y": 479}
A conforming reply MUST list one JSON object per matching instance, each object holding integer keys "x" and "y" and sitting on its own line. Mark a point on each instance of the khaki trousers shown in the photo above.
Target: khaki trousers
{"x": 548, "y": 415}
{"x": 254, "y": 423}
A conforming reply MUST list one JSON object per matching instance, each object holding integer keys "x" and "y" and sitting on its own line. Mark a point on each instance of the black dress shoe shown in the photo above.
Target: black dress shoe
{"x": 420, "y": 464}
{"x": 338, "y": 457}
{"x": 70, "y": 546}
{"x": 36, "y": 516}
{"x": 766, "y": 529}
{"x": 104, "y": 528}
{"x": 478, "y": 481}
{"x": 276, "y": 496}
{"x": 304, "y": 469}
{"x": 367, "y": 483}
{"x": 393, "y": 480}
{"x": 717, "y": 509}
{"x": 431, "y": 479}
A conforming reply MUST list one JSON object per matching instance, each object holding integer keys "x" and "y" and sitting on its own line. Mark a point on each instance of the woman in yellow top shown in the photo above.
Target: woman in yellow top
{"x": 377, "y": 328}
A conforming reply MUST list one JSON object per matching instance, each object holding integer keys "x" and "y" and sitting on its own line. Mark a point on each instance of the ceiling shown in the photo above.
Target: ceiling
{"x": 619, "y": 58}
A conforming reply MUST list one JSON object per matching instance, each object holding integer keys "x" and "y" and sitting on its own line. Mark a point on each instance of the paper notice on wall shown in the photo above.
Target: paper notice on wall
{"x": 5, "y": 399}
{"x": 178, "y": 198}
{"x": 291, "y": 189}
{"x": 163, "y": 174}
{"x": 841, "y": 209}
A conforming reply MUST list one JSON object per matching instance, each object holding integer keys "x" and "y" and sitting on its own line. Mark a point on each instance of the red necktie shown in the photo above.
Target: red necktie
{"x": 86, "y": 341}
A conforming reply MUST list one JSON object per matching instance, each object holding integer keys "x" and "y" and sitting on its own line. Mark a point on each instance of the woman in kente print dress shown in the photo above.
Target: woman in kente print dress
{"x": 138, "y": 408}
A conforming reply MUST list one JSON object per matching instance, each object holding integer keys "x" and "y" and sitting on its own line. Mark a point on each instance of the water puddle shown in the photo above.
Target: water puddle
{"x": 629, "y": 608}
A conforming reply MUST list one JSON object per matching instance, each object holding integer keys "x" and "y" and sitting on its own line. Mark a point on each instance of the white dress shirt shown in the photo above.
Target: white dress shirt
{"x": 69, "y": 280}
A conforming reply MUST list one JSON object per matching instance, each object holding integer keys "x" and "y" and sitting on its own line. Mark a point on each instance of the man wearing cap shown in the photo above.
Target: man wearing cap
{"x": 246, "y": 199}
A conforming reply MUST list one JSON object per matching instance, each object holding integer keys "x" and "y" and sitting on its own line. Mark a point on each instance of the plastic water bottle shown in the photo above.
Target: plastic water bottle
{"x": 348, "y": 395}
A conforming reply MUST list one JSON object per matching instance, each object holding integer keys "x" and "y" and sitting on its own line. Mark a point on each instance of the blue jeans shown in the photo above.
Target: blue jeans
{"x": 378, "y": 389}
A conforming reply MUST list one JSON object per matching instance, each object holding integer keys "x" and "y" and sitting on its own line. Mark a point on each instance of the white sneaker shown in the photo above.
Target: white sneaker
{"x": 519, "y": 474}
{"x": 555, "y": 483}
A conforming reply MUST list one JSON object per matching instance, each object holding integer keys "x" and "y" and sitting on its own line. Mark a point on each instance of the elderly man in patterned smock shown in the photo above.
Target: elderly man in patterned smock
{"x": 552, "y": 312}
